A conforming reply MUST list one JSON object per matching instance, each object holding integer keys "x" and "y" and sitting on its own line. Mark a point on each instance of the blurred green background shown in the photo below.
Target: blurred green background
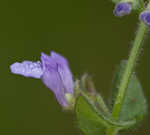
{"x": 84, "y": 31}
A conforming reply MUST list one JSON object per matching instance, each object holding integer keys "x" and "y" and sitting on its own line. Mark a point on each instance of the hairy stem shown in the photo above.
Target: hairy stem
{"x": 129, "y": 70}
{"x": 127, "y": 74}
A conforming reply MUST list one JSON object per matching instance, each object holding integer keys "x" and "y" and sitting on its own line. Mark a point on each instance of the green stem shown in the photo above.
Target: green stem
{"x": 127, "y": 74}
{"x": 129, "y": 69}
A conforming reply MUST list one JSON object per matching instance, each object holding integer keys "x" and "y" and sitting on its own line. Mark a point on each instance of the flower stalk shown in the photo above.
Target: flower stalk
{"x": 135, "y": 51}
{"x": 129, "y": 69}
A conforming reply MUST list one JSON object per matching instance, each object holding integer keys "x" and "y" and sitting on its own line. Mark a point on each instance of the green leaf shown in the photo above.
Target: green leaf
{"x": 88, "y": 121}
{"x": 134, "y": 105}
{"x": 92, "y": 121}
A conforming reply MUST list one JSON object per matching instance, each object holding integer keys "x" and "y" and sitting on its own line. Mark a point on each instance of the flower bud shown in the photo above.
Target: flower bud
{"x": 145, "y": 17}
{"x": 122, "y": 8}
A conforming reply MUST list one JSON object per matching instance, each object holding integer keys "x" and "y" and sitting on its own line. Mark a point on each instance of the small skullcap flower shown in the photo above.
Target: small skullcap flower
{"x": 122, "y": 8}
{"x": 57, "y": 76}
{"x": 53, "y": 71}
{"x": 145, "y": 17}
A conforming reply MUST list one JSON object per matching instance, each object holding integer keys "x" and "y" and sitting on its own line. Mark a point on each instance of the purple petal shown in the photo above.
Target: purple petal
{"x": 66, "y": 77}
{"x": 122, "y": 8}
{"x": 64, "y": 71}
{"x": 58, "y": 58}
{"x": 47, "y": 62}
{"x": 52, "y": 80}
{"x": 57, "y": 76}
{"x": 27, "y": 69}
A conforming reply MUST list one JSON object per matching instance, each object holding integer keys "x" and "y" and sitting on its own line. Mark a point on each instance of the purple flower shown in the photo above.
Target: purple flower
{"x": 54, "y": 72}
{"x": 122, "y": 8}
{"x": 145, "y": 17}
